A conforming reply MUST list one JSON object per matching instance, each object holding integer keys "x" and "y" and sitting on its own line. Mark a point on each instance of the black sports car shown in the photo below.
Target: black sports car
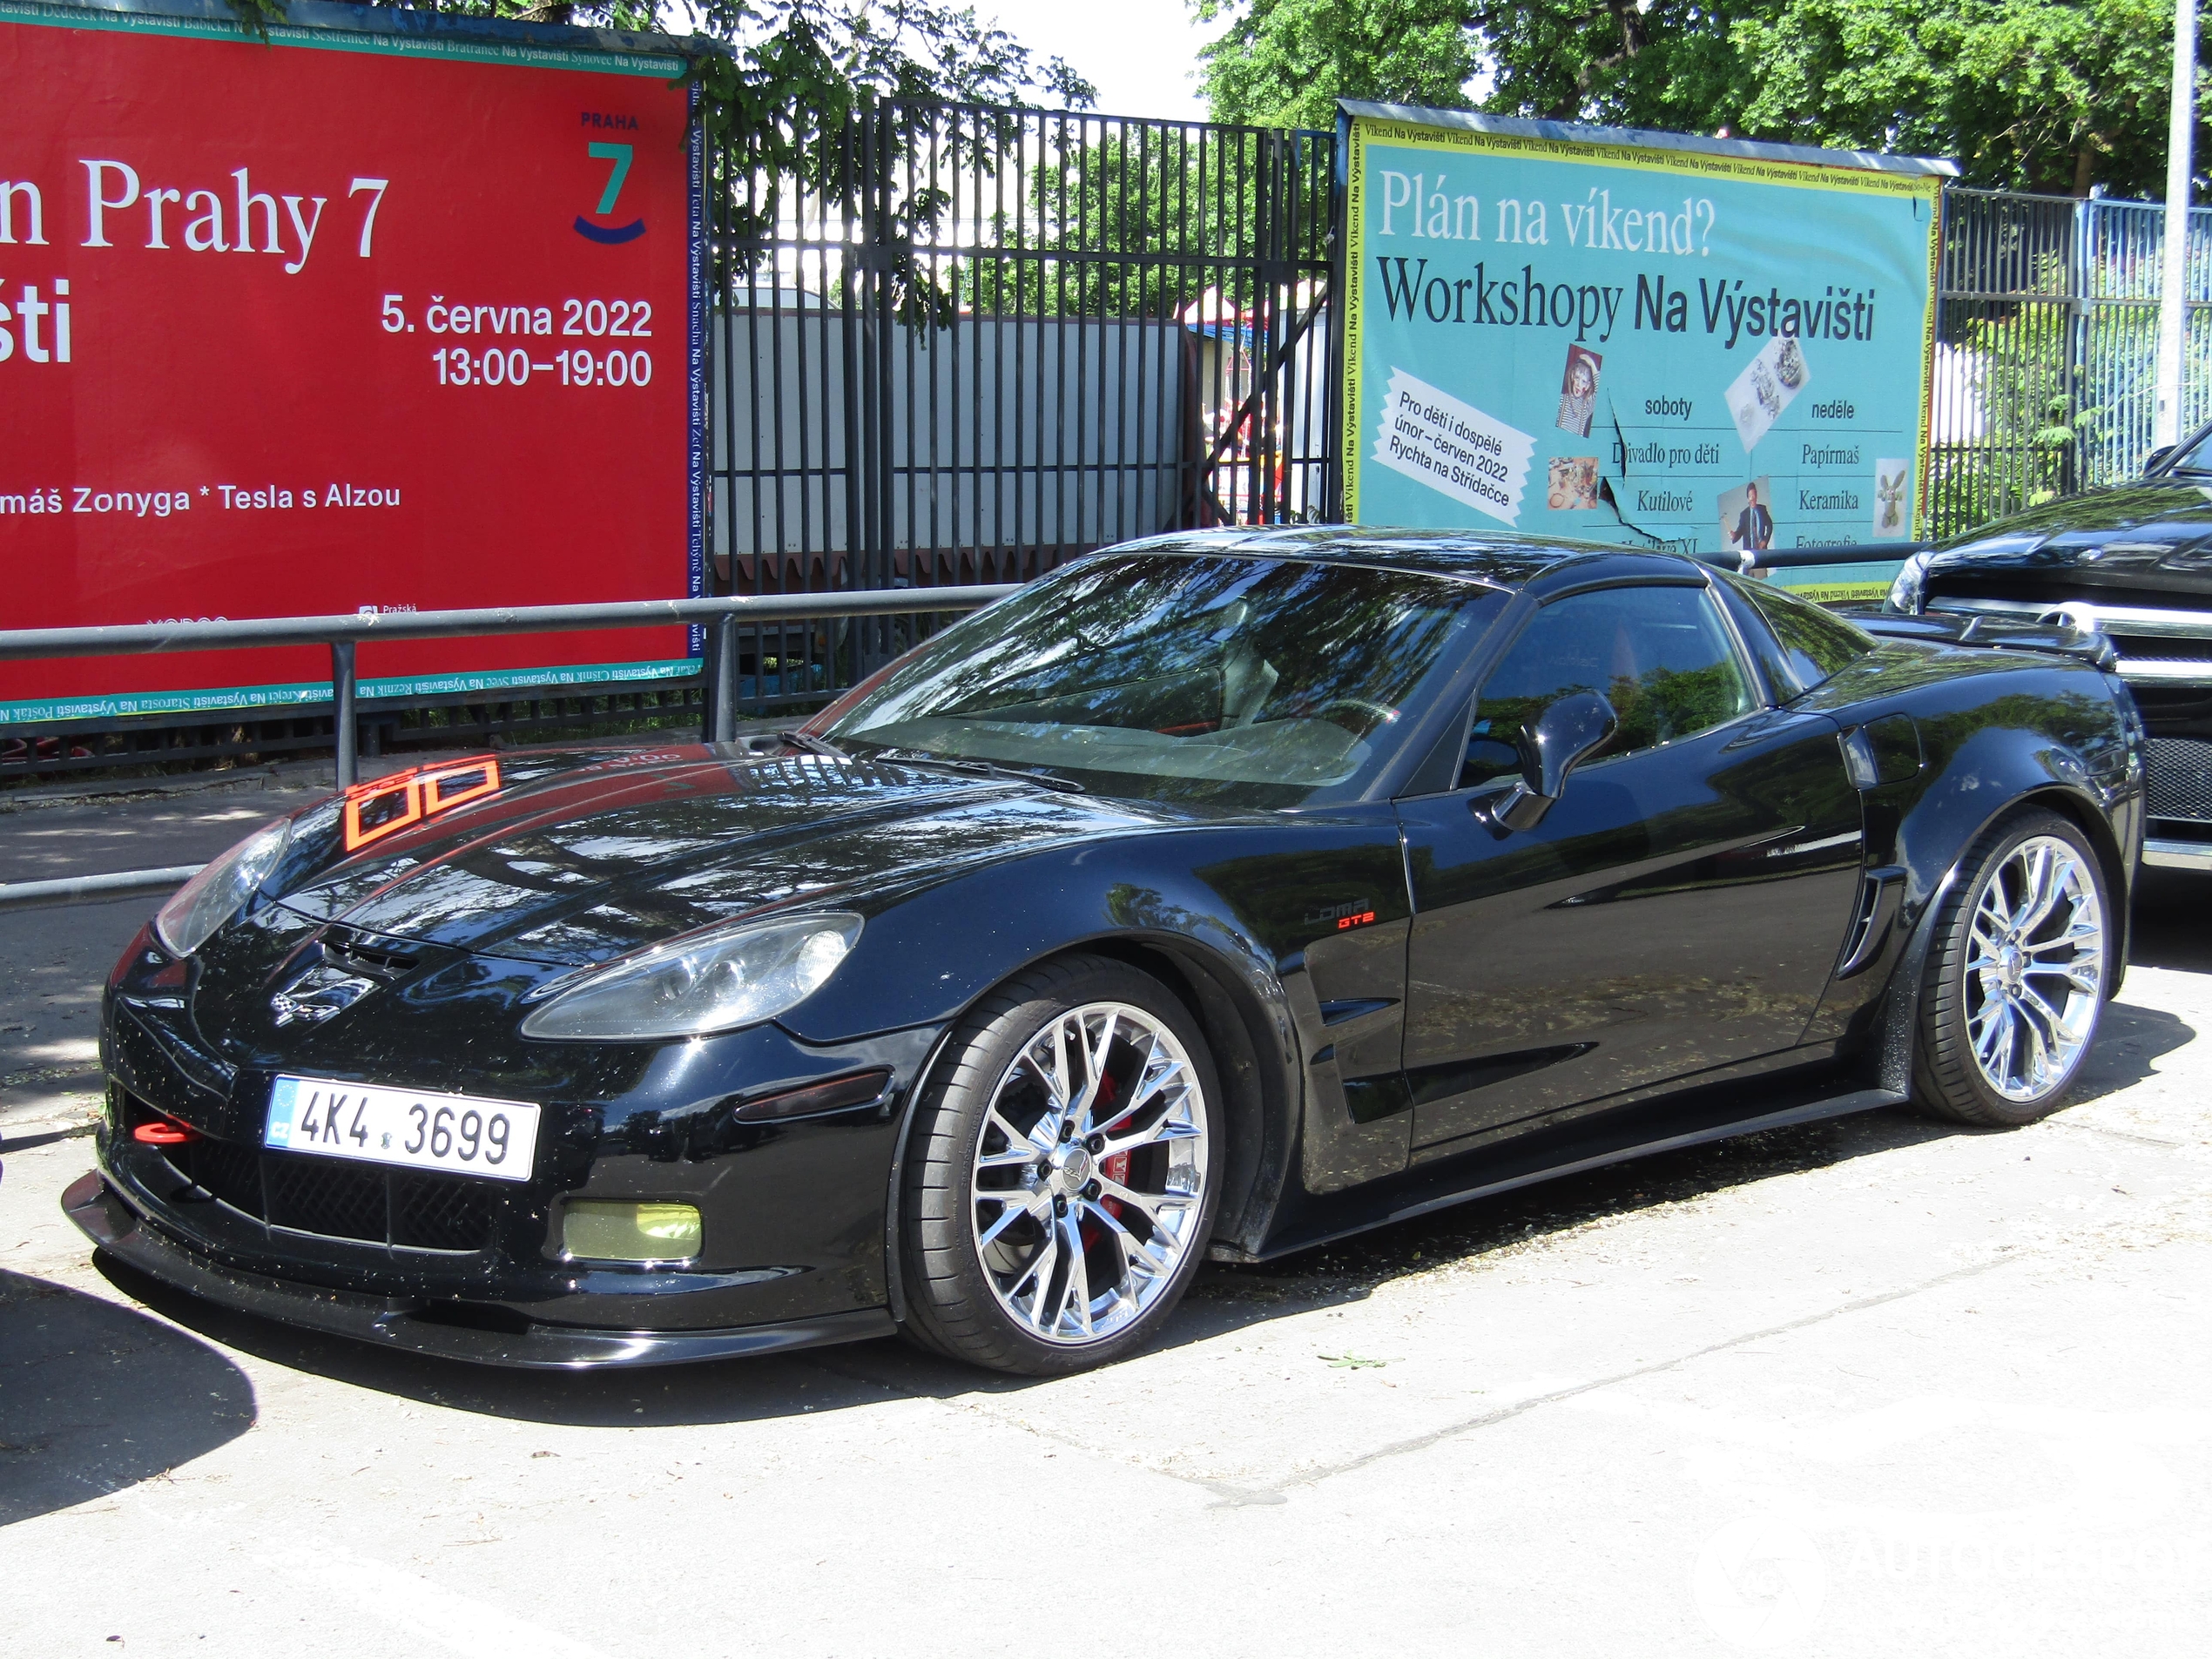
{"x": 2134, "y": 563}
{"x": 1217, "y": 895}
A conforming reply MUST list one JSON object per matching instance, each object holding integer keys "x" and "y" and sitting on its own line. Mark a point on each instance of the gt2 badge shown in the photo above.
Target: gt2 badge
{"x": 1357, "y": 914}
{"x": 388, "y": 805}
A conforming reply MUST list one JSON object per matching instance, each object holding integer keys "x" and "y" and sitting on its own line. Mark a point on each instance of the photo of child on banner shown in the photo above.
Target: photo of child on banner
{"x": 1578, "y": 390}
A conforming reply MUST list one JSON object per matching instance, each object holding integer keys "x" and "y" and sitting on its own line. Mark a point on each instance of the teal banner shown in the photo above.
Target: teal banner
{"x": 1703, "y": 345}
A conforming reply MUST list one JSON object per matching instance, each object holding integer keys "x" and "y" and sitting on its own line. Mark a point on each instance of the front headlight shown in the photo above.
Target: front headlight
{"x": 1909, "y": 593}
{"x": 692, "y": 987}
{"x": 221, "y": 890}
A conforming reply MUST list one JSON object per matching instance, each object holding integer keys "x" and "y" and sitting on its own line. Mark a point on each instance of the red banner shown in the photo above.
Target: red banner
{"x": 338, "y": 323}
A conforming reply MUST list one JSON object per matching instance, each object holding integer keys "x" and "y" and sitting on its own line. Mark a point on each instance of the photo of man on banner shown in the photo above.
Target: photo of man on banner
{"x": 1747, "y": 523}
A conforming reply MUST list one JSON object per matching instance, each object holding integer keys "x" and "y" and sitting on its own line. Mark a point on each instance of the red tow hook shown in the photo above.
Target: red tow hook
{"x": 166, "y": 1132}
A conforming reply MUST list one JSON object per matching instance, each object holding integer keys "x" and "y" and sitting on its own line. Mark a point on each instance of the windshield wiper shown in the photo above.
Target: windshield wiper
{"x": 814, "y": 745}
{"x": 981, "y": 769}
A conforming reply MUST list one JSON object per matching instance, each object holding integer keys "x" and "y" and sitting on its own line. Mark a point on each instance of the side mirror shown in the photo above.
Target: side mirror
{"x": 1552, "y": 745}
{"x": 2158, "y": 458}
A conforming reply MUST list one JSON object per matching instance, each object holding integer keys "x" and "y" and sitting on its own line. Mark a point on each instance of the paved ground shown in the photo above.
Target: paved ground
{"x": 53, "y": 962}
{"x": 1868, "y": 1389}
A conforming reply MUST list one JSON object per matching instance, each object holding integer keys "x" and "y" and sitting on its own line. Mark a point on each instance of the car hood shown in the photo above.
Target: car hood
{"x": 2149, "y": 537}
{"x": 582, "y": 856}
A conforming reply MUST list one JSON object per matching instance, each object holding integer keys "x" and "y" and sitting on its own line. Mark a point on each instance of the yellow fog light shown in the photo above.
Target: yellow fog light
{"x": 601, "y": 1231}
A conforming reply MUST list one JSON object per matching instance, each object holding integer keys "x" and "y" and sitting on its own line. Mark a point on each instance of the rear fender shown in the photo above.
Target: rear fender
{"x": 1954, "y": 822}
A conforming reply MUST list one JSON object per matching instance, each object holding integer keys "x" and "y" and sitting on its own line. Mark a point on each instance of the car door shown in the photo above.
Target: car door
{"x": 1681, "y": 905}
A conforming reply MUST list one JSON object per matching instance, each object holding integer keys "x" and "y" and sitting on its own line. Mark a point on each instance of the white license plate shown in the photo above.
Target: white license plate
{"x": 370, "y": 1124}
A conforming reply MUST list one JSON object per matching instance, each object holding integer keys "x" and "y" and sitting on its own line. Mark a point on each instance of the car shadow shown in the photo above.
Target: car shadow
{"x": 1224, "y": 1299}
{"x": 95, "y": 1398}
{"x": 1501, "y": 1226}
{"x": 2171, "y": 921}
{"x": 2129, "y": 1039}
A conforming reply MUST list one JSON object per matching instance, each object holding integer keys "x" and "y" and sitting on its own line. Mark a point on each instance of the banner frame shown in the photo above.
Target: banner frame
{"x": 1360, "y": 121}
{"x": 328, "y": 26}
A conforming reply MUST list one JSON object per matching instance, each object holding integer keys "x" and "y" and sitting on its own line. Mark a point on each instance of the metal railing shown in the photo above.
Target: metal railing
{"x": 1799, "y": 558}
{"x": 725, "y": 617}
{"x": 2047, "y": 326}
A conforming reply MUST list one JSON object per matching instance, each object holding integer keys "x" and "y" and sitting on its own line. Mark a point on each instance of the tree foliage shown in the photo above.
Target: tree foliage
{"x": 1284, "y": 63}
{"x": 760, "y": 60}
{"x": 778, "y": 81}
{"x": 2050, "y": 95}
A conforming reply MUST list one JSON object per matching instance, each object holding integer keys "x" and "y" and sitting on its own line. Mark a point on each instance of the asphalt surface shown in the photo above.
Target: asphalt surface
{"x": 1874, "y": 1387}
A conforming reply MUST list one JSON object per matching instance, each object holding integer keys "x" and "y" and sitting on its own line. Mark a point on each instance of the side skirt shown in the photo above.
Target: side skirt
{"x": 1633, "y": 1133}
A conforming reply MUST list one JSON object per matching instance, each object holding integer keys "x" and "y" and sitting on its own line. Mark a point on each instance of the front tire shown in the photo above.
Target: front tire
{"x": 2016, "y": 981}
{"x": 1063, "y": 1173}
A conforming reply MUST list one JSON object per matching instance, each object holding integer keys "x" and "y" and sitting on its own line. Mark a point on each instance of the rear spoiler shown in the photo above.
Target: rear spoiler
{"x": 1991, "y": 632}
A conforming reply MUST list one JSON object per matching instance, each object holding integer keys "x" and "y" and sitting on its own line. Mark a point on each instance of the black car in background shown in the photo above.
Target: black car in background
{"x": 2135, "y": 563}
{"x": 1214, "y": 896}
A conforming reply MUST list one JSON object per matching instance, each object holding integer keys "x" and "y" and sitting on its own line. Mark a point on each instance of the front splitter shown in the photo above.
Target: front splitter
{"x": 384, "y": 1322}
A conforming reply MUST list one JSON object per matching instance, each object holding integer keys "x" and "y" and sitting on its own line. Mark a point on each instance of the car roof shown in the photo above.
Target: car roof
{"x": 1507, "y": 560}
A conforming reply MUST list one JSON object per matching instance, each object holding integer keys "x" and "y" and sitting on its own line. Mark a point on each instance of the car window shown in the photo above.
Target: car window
{"x": 1662, "y": 657}
{"x": 1818, "y": 644}
{"x": 1751, "y": 626}
{"x": 1245, "y": 683}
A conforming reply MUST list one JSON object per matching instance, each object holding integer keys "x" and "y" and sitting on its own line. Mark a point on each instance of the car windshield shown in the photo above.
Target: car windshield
{"x": 2197, "y": 460}
{"x": 1238, "y": 682}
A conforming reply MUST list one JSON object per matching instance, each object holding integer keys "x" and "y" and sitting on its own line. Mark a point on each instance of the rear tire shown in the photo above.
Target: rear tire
{"x": 2015, "y": 980}
{"x": 1064, "y": 1172}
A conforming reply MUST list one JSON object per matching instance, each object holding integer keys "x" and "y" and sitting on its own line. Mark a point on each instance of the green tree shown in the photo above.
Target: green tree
{"x": 778, "y": 81}
{"x": 758, "y": 61}
{"x": 1285, "y": 63}
{"x": 2051, "y": 95}
{"x": 1198, "y": 198}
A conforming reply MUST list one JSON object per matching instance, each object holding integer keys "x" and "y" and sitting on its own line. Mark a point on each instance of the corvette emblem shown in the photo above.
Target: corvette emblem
{"x": 318, "y": 995}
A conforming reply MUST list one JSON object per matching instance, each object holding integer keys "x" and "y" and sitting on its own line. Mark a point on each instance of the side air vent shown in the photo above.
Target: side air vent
{"x": 1880, "y": 892}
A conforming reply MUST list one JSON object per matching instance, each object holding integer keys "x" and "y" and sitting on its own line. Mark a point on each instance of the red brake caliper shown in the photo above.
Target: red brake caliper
{"x": 1114, "y": 1168}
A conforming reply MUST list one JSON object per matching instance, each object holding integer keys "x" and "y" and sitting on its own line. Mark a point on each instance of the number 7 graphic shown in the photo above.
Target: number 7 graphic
{"x": 620, "y": 154}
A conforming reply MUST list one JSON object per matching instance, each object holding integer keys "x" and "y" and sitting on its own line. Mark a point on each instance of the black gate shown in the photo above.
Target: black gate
{"x": 959, "y": 344}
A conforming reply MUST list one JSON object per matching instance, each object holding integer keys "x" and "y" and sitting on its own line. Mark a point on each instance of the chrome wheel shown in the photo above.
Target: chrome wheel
{"x": 2035, "y": 968}
{"x": 1089, "y": 1177}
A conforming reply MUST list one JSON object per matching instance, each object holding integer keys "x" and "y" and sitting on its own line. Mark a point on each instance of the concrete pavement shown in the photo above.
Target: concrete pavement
{"x": 1865, "y": 1387}
{"x": 53, "y": 962}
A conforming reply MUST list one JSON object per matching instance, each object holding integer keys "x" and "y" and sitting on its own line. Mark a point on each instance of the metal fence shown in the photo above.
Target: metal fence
{"x": 949, "y": 344}
{"x": 957, "y": 343}
{"x": 2047, "y": 331}
{"x": 724, "y": 618}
